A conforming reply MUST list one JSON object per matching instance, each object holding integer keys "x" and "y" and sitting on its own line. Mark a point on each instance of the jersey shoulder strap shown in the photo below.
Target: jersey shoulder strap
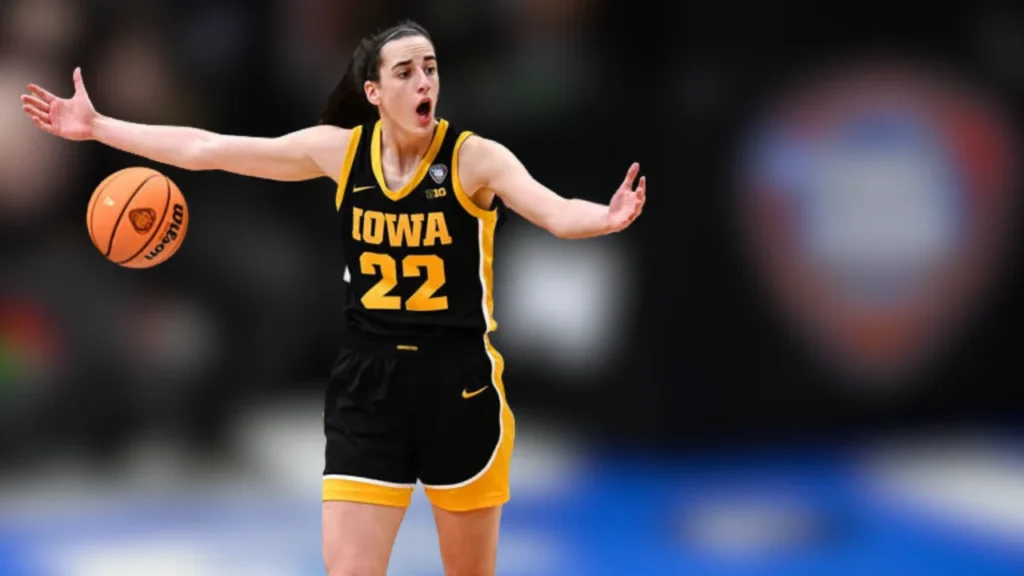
{"x": 498, "y": 208}
{"x": 461, "y": 194}
{"x": 356, "y": 144}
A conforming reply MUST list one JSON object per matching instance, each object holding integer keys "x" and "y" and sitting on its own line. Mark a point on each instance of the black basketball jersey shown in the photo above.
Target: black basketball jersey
{"x": 419, "y": 259}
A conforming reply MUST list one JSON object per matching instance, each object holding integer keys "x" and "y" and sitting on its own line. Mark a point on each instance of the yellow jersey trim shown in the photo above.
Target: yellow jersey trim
{"x": 488, "y": 227}
{"x": 336, "y": 489}
{"x": 460, "y": 193}
{"x": 346, "y": 167}
{"x": 428, "y": 159}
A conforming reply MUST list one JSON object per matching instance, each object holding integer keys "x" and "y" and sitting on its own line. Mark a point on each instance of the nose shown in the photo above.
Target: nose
{"x": 423, "y": 83}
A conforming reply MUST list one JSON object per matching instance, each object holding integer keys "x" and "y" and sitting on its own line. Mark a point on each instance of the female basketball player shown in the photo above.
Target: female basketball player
{"x": 416, "y": 393}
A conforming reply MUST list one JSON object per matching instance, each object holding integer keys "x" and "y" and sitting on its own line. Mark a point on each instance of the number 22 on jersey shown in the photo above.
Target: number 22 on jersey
{"x": 423, "y": 300}
{"x": 402, "y": 230}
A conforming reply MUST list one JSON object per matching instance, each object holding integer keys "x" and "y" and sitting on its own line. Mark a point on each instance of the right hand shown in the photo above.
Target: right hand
{"x": 627, "y": 203}
{"x": 71, "y": 118}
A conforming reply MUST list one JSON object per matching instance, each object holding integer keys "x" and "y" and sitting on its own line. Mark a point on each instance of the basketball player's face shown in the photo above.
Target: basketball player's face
{"x": 407, "y": 91}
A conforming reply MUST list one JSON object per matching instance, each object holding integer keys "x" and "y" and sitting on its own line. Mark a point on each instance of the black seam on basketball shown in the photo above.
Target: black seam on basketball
{"x": 167, "y": 208}
{"x": 92, "y": 213}
{"x": 117, "y": 224}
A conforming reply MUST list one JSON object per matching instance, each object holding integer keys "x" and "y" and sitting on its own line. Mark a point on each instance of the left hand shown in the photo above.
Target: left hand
{"x": 627, "y": 203}
{"x": 71, "y": 118}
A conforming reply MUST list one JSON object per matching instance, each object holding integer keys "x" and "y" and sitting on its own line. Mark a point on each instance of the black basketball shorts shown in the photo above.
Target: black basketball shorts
{"x": 396, "y": 414}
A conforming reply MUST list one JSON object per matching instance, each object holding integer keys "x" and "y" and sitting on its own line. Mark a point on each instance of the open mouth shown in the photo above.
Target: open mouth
{"x": 423, "y": 110}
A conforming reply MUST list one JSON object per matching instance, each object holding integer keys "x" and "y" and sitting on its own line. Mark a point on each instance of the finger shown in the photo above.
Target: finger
{"x": 43, "y": 94}
{"x": 631, "y": 176}
{"x": 44, "y": 125}
{"x": 641, "y": 199}
{"x": 35, "y": 113}
{"x": 638, "y": 208}
{"x": 641, "y": 189}
{"x": 35, "y": 102}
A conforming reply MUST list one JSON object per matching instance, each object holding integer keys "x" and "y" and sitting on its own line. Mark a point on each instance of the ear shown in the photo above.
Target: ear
{"x": 372, "y": 93}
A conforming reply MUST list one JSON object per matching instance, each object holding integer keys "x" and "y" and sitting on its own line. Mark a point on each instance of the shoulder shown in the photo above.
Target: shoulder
{"x": 327, "y": 146}
{"x": 320, "y": 139}
{"x": 475, "y": 149}
{"x": 324, "y": 134}
{"x": 480, "y": 160}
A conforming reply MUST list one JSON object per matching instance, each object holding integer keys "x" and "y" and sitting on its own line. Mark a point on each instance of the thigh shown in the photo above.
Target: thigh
{"x": 370, "y": 438}
{"x": 358, "y": 538}
{"x": 468, "y": 540}
{"x": 466, "y": 433}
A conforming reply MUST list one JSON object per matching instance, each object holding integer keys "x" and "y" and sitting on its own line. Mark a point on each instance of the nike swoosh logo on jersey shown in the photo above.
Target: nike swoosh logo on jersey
{"x": 361, "y": 188}
{"x": 468, "y": 395}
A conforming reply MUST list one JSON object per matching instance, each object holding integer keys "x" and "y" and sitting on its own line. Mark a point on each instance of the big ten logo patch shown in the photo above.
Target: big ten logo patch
{"x": 438, "y": 172}
{"x": 876, "y": 203}
{"x": 433, "y": 193}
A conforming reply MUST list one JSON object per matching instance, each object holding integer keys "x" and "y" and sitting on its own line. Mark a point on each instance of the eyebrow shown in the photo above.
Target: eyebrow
{"x": 428, "y": 58}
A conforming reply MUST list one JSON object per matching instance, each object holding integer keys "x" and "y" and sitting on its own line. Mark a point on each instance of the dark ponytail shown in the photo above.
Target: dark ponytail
{"x": 347, "y": 106}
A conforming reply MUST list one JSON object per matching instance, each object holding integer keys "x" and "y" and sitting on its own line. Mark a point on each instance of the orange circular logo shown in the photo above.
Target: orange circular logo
{"x": 142, "y": 219}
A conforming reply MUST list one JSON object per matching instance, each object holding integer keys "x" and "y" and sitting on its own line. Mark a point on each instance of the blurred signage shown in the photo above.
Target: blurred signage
{"x": 876, "y": 201}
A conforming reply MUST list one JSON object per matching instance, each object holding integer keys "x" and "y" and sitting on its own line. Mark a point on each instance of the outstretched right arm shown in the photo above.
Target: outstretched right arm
{"x": 303, "y": 155}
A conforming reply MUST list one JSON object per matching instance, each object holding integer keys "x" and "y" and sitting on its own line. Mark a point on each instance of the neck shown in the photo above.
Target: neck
{"x": 404, "y": 148}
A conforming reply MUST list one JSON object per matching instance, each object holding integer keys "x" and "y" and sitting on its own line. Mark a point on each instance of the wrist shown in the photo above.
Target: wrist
{"x": 609, "y": 225}
{"x": 95, "y": 126}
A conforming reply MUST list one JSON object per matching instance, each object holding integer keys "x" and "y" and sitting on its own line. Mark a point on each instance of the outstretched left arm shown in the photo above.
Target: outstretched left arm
{"x": 487, "y": 165}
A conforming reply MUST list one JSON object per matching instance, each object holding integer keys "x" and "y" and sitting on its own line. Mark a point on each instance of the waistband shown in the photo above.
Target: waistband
{"x": 454, "y": 343}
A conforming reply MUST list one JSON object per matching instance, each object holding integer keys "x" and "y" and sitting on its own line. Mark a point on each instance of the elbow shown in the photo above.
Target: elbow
{"x": 200, "y": 156}
{"x": 193, "y": 163}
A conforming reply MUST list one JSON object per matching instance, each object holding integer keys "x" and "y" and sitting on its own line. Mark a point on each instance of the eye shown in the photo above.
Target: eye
{"x": 403, "y": 74}
{"x": 431, "y": 69}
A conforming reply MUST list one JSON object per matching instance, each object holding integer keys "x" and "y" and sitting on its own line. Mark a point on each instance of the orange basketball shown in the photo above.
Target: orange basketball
{"x": 137, "y": 218}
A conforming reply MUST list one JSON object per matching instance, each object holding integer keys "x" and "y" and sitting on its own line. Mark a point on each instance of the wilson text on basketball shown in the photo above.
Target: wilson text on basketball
{"x": 177, "y": 219}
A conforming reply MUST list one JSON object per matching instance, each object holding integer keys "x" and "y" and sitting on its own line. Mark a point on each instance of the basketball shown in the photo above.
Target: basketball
{"x": 137, "y": 218}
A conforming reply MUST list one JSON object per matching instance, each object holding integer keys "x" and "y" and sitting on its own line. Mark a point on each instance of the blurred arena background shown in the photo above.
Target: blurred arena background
{"x": 803, "y": 359}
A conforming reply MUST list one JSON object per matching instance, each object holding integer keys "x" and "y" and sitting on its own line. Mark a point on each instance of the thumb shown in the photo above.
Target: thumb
{"x": 79, "y": 83}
